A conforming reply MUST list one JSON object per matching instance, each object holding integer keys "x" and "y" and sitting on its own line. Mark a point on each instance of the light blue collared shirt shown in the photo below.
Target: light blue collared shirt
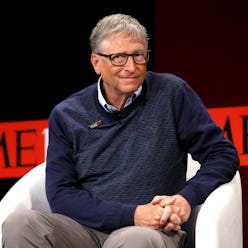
{"x": 110, "y": 108}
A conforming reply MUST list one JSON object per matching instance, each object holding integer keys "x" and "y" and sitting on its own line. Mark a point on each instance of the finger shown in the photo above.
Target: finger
{"x": 170, "y": 226}
{"x": 175, "y": 219}
{"x": 166, "y": 214}
{"x": 167, "y": 201}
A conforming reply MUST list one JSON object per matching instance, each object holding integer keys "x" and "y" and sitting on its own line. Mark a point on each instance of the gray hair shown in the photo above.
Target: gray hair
{"x": 114, "y": 24}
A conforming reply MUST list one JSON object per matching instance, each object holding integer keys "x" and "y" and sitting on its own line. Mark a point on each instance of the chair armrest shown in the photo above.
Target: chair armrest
{"x": 219, "y": 220}
{"x": 27, "y": 193}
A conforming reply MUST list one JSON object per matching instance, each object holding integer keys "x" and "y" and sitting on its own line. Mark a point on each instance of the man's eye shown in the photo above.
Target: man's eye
{"x": 119, "y": 56}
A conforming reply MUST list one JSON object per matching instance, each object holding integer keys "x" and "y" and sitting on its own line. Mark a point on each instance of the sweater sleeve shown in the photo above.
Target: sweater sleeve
{"x": 204, "y": 140}
{"x": 65, "y": 194}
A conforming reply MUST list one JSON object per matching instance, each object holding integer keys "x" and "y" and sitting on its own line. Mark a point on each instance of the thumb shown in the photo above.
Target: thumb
{"x": 156, "y": 199}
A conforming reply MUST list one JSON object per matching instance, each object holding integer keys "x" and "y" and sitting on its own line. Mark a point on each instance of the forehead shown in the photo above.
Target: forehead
{"x": 121, "y": 42}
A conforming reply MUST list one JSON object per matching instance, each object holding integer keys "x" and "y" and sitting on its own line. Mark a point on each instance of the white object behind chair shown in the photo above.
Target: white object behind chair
{"x": 218, "y": 222}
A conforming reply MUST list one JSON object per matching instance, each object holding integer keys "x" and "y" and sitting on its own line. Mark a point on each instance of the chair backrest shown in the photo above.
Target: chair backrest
{"x": 192, "y": 167}
{"x": 27, "y": 192}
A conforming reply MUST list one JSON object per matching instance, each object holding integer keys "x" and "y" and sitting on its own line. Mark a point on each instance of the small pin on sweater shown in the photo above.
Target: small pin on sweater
{"x": 95, "y": 124}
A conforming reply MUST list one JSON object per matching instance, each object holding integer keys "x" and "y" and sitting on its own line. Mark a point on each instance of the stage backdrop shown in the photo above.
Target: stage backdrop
{"x": 46, "y": 58}
{"x": 205, "y": 42}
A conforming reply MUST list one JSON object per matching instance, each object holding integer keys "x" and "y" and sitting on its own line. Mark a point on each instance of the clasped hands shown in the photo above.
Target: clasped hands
{"x": 164, "y": 213}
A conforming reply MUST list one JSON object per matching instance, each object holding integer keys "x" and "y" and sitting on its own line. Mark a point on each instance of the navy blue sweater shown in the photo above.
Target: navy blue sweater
{"x": 98, "y": 176}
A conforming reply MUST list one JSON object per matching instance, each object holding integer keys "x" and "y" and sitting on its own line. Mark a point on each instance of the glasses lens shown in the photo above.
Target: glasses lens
{"x": 141, "y": 57}
{"x": 119, "y": 59}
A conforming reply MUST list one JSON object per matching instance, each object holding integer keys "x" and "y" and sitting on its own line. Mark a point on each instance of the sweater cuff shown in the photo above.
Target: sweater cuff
{"x": 127, "y": 218}
{"x": 121, "y": 215}
{"x": 191, "y": 195}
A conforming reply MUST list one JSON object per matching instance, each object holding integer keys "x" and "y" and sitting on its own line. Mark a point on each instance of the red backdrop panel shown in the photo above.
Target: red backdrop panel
{"x": 205, "y": 42}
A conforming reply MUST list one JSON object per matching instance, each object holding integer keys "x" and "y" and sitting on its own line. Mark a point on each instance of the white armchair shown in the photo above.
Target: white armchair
{"x": 217, "y": 223}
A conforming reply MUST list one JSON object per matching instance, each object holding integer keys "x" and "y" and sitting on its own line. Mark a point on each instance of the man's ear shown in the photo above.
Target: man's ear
{"x": 95, "y": 61}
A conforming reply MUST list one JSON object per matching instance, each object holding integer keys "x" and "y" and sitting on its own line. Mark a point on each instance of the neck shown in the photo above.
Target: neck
{"x": 116, "y": 101}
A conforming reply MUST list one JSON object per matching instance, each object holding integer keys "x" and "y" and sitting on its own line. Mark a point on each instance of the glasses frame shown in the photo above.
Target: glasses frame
{"x": 110, "y": 57}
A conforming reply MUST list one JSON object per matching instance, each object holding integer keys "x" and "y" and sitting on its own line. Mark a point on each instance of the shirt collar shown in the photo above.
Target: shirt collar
{"x": 110, "y": 108}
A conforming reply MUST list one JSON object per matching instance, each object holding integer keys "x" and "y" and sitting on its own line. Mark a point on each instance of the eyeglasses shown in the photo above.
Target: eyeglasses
{"x": 120, "y": 59}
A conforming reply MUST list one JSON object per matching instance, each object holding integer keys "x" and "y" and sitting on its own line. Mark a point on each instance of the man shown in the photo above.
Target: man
{"x": 116, "y": 160}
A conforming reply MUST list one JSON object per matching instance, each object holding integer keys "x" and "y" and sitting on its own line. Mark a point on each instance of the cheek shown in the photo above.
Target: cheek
{"x": 110, "y": 71}
{"x": 142, "y": 68}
